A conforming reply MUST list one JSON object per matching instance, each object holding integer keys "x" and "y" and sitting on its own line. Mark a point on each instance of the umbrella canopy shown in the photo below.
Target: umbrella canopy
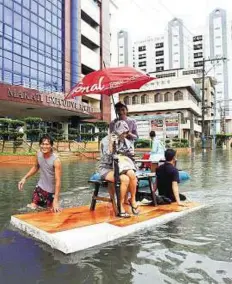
{"x": 109, "y": 81}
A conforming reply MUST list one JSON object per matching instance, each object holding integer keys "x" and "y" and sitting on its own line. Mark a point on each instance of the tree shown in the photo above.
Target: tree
{"x": 103, "y": 128}
{"x": 14, "y": 134}
{"x": 57, "y": 133}
{"x": 4, "y": 130}
{"x": 86, "y": 137}
{"x": 34, "y": 129}
{"x": 73, "y": 134}
{"x": 87, "y": 133}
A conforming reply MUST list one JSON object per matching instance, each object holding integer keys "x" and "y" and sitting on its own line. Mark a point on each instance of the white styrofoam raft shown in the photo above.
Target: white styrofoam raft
{"x": 78, "y": 239}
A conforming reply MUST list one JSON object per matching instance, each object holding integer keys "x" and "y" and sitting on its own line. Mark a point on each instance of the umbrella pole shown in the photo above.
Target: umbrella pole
{"x": 117, "y": 181}
{"x": 114, "y": 106}
{"x": 116, "y": 170}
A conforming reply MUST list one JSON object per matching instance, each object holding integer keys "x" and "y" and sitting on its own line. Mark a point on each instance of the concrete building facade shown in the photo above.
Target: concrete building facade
{"x": 123, "y": 48}
{"x": 169, "y": 96}
{"x": 149, "y": 54}
{"x": 46, "y": 47}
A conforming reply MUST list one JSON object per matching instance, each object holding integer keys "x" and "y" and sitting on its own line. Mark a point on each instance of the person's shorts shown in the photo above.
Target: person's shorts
{"x": 42, "y": 198}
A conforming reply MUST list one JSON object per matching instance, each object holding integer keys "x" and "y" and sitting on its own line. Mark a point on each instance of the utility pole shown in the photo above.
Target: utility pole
{"x": 203, "y": 107}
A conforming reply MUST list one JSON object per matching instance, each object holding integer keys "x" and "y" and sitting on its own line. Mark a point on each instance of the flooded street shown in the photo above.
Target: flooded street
{"x": 192, "y": 249}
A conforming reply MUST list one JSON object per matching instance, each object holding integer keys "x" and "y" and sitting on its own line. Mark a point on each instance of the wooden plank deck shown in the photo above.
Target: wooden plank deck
{"x": 78, "y": 217}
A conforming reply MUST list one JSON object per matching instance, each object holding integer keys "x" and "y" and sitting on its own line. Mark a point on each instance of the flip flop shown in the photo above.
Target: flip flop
{"x": 124, "y": 215}
{"x": 134, "y": 210}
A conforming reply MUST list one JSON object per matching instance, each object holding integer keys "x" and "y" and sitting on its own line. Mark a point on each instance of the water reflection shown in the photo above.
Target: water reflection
{"x": 192, "y": 249}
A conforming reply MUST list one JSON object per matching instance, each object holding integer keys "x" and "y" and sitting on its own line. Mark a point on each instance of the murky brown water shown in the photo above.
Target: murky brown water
{"x": 194, "y": 249}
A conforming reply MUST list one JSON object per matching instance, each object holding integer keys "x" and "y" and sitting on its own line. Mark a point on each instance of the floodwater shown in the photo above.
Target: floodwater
{"x": 194, "y": 249}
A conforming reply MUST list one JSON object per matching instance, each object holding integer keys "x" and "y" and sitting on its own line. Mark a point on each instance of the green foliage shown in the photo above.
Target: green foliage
{"x": 222, "y": 138}
{"x": 33, "y": 129}
{"x": 100, "y": 135}
{"x": 101, "y": 125}
{"x": 33, "y": 120}
{"x": 4, "y": 122}
{"x": 185, "y": 141}
{"x": 16, "y": 123}
{"x": 142, "y": 143}
{"x": 88, "y": 126}
{"x": 86, "y": 136}
{"x": 179, "y": 145}
{"x": 56, "y": 133}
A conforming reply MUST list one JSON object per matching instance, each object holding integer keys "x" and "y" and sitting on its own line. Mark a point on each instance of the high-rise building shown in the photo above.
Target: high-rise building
{"x": 123, "y": 48}
{"x": 218, "y": 47}
{"x": 176, "y": 44}
{"x": 149, "y": 54}
{"x": 48, "y": 45}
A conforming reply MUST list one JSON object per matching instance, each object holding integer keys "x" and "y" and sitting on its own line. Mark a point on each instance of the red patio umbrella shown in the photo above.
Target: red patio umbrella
{"x": 109, "y": 81}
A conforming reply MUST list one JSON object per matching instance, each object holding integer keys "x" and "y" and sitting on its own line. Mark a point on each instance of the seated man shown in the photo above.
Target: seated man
{"x": 167, "y": 179}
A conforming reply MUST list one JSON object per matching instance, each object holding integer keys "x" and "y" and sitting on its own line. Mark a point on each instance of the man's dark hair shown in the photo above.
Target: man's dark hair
{"x": 169, "y": 154}
{"x": 120, "y": 105}
{"x": 152, "y": 134}
{"x": 46, "y": 137}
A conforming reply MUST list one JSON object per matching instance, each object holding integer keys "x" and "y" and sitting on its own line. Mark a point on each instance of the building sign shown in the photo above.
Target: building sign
{"x": 48, "y": 100}
{"x": 157, "y": 125}
{"x": 143, "y": 127}
{"x": 165, "y": 126}
{"x": 172, "y": 127}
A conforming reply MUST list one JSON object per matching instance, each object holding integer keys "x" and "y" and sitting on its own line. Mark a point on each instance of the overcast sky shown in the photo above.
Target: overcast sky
{"x": 150, "y": 17}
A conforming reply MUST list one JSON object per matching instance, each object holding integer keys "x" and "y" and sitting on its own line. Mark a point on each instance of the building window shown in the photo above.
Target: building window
{"x": 142, "y": 56}
{"x": 166, "y": 75}
{"x": 142, "y": 63}
{"x": 127, "y": 100}
{"x": 159, "y": 53}
{"x": 189, "y": 72}
{"x": 197, "y": 38}
{"x": 178, "y": 96}
{"x": 159, "y": 45}
{"x": 159, "y": 69}
{"x": 198, "y": 55}
{"x": 142, "y": 48}
{"x": 159, "y": 61}
{"x": 135, "y": 100}
{"x": 198, "y": 63}
{"x": 158, "y": 98}
{"x": 167, "y": 97}
{"x": 197, "y": 46}
{"x": 144, "y": 99}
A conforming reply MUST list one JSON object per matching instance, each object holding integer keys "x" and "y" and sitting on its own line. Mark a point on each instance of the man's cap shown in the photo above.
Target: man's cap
{"x": 120, "y": 104}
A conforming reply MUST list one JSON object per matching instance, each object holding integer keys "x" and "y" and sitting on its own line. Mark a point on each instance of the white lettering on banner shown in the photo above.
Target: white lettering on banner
{"x": 121, "y": 82}
{"x": 98, "y": 87}
{"x": 89, "y": 89}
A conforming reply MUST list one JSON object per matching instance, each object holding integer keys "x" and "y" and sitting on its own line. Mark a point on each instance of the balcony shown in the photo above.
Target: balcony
{"x": 196, "y": 127}
{"x": 90, "y": 33}
{"x": 92, "y": 9}
{"x": 164, "y": 106}
{"x": 90, "y": 58}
